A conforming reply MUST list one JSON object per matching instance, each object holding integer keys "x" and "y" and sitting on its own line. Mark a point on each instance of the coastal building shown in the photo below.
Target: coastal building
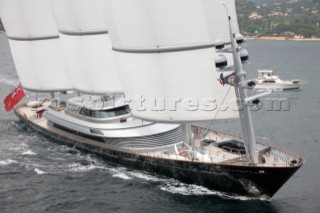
{"x": 275, "y": 14}
{"x": 255, "y": 15}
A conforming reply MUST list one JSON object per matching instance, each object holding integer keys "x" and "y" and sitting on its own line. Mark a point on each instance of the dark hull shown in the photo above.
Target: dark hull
{"x": 241, "y": 180}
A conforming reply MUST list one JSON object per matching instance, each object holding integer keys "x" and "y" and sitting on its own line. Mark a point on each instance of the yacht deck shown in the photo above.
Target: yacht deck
{"x": 211, "y": 152}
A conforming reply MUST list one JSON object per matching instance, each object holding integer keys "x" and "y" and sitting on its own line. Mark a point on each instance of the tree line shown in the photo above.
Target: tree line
{"x": 295, "y": 18}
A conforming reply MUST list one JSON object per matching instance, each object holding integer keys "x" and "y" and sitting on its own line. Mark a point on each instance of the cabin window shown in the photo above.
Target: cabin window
{"x": 108, "y": 113}
{"x": 87, "y": 112}
{"x": 269, "y": 81}
{"x": 114, "y": 112}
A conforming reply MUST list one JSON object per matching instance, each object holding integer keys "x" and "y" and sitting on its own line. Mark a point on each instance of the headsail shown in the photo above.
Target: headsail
{"x": 87, "y": 45}
{"x": 35, "y": 46}
{"x": 165, "y": 51}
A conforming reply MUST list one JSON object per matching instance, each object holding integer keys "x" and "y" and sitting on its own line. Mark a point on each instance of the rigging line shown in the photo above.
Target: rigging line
{"x": 267, "y": 129}
{"x": 216, "y": 114}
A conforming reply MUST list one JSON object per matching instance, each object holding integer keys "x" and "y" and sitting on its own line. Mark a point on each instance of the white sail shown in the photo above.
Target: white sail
{"x": 217, "y": 13}
{"x": 165, "y": 51}
{"x": 34, "y": 44}
{"x": 232, "y": 12}
{"x": 86, "y": 45}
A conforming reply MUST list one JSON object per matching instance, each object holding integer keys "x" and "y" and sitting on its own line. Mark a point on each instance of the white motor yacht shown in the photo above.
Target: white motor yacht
{"x": 268, "y": 80}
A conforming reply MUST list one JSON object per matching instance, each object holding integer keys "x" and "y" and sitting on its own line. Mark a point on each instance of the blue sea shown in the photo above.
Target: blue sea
{"x": 38, "y": 175}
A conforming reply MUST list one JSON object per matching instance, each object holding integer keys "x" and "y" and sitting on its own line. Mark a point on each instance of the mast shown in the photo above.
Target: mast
{"x": 187, "y": 134}
{"x": 159, "y": 61}
{"x": 244, "y": 111}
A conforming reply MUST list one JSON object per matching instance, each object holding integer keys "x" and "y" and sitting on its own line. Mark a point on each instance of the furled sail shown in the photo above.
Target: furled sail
{"x": 35, "y": 45}
{"x": 165, "y": 52}
{"x": 87, "y": 46}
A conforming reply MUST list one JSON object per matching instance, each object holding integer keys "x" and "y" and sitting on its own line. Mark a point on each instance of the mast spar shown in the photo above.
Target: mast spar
{"x": 245, "y": 116}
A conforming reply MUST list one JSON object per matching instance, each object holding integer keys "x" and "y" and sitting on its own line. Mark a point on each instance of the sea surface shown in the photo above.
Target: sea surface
{"x": 38, "y": 175}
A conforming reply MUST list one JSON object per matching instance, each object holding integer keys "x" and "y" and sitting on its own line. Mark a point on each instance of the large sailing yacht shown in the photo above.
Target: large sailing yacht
{"x": 52, "y": 57}
{"x": 179, "y": 62}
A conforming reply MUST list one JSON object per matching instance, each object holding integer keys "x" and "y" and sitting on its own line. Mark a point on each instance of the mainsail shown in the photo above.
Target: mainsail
{"x": 35, "y": 46}
{"x": 87, "y": 46}
{"x": 166, "y": 56}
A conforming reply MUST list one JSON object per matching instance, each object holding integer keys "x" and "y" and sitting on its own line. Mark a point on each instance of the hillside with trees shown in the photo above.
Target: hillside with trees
{"x": 279, "y": 17}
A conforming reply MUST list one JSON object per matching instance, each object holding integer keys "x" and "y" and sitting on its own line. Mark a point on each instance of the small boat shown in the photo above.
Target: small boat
{"x": 268, "y": 80}
{"x": 188, "y": 55}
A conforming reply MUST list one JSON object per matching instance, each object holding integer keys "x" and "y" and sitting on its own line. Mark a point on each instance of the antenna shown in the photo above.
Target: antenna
{"x": 227, "y": 11}
{"x": 229, "y": 17}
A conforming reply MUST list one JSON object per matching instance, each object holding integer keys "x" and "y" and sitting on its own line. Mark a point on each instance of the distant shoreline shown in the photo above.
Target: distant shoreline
{"x": 269, "y": 38}
{"x": 281, "y": 38}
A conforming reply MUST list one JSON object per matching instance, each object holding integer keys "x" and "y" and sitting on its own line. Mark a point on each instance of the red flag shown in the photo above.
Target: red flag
{"x": 14, "y": 97}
